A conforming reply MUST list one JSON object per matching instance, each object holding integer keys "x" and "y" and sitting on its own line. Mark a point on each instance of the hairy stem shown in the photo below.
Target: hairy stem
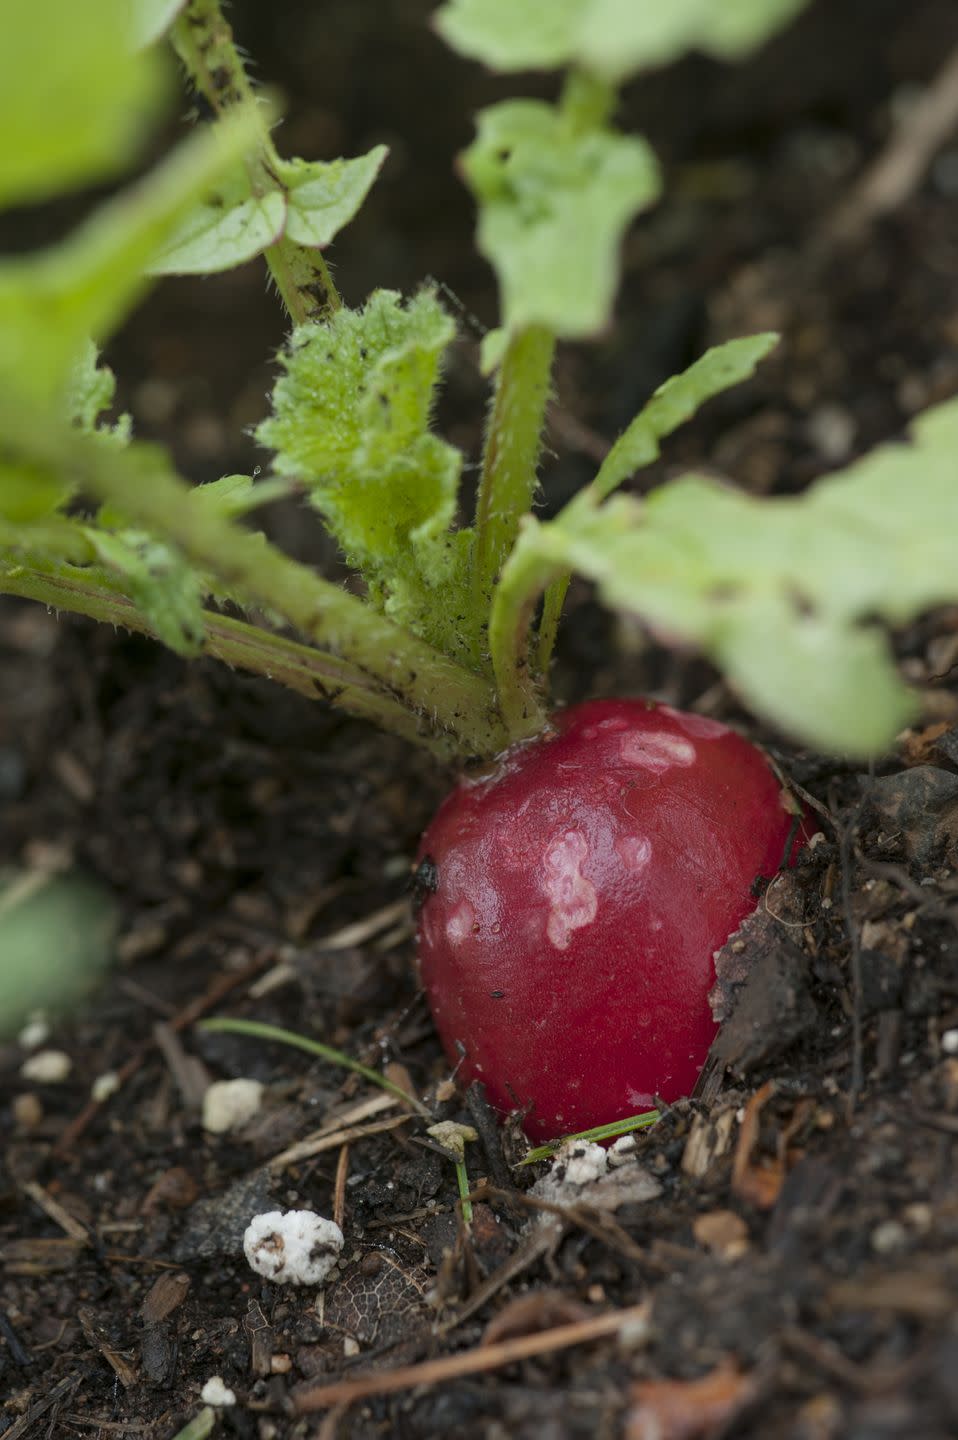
{"x": 514, "y": 439}
{"x": 549, "y": 623}
{"x": 91, "y": 592}
{"x": 525, "y": 575}
{"x": 140, "y": 485}
{"x": 204, "y": 42}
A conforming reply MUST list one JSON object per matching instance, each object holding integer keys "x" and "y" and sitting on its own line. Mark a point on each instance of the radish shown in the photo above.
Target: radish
{"x": 574, "y": 896}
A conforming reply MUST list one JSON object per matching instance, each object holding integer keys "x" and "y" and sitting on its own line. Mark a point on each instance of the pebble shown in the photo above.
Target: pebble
{"x": 47, "y": 1067}
{"x": 229, "y": 1104}
{"x": 889, "y": 1237}
{"x": 217, "y": 1392}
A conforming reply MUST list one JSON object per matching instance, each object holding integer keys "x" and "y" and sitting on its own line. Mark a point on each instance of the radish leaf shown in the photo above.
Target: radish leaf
{"x": 75, "y": 101}
{"x": 783, "y": 593}
{"x": 350, "y": 422}
{"x": 555, "y": 202}
{"x": 677, "y": 401}
{"x": 612, "y": 38}
{"x": 324, "y": 196}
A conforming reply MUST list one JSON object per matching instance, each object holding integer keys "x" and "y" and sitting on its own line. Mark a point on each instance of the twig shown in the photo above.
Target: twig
{"x": 362, "y": 930}
{"x": 339, "y": 1189}
{"x": 898, "y": 170}
{"x": 470, "y": 1362}
{"x": 598, "y": 1223}
{"x": 55, "y": 1211}
{"x": 539, "y": 1242}
{"x": 59, "y": 1392}
{"x": 190, "y": 1075}
{"x": 121, "y": 1367}
{"x": 315, "y": 1145}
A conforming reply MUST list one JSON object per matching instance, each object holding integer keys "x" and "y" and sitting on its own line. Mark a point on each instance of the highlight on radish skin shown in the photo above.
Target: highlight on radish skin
{"x": 577, "y": 894}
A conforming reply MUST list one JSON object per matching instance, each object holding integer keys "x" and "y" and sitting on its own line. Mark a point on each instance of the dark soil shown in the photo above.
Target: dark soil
{"x": 802, "y": 1251}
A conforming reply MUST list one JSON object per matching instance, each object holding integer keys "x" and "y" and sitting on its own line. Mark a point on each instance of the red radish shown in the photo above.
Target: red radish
{"x": 575, "y": 896}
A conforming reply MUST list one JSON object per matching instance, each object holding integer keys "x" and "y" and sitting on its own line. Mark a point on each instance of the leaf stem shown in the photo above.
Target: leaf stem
{"x": 514, "y": 439}
{"x": 140, "y": 484}
{"x": 313, "y": 673}
{"x": 506, "y": 490}
{"x": 203, "y": 39}
{"x": 549, "y": 623}
{"x": 524, "y": 577}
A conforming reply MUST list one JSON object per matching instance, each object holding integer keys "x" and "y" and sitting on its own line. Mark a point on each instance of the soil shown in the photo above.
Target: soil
{"x": 792, "y": 1232}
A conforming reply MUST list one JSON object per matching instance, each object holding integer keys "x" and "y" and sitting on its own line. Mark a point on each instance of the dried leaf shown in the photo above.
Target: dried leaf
{"x": 688, "y": 1409}
{"x": 757, "y": 1184}
{"x": 709, "y": 1139}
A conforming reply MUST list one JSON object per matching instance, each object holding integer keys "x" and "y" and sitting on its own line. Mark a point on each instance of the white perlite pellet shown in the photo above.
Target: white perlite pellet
{"x": 229, "y": 1104}
{"x": 297, "y": 1247}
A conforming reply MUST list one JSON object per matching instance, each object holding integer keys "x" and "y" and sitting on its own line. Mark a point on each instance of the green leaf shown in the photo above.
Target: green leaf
{"x": 52, "y": 302}
{"x": 677, "y": 401}
{"x": 239, "y": 494}
{"x": 612, "y": 38}
{"x": 784, "y": 594}
{"x": 56, "y": 939}
{"x": 90, "y": 391}
{"x": 31, "y": 492}
{"x": 162, "y": 584}
{"x": 75, "y": 101}
{"x": 310, "y": 205}
{"x": 536, "y": 34}
{"x": 325, "y": 195}
{"x": 350, "y": 422}
{"x": 555, "y": 204}
{"x": 227, "y": 230}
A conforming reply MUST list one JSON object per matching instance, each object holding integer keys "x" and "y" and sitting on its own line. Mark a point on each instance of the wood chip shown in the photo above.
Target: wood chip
{"x": 164, "y": 1295}
{"x": 723, "y": 1232}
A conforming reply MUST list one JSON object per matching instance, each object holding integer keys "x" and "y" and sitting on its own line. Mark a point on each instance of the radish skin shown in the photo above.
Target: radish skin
{"x": 578, "y": 892}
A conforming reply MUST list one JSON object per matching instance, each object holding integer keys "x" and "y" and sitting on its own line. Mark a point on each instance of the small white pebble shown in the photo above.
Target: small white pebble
{"x": 35, "y": 1032}
{"x": 622, "y": 1152}
{"x": 215, "y": 1392}
{"x": 297, "y": 1247}
{"x": 888, "y": 1237}
{"x": 47, "y": 1067}
{"x": 635, "y": 1334}
{"x": 949, "y": 1042}
{"x": 579, "y": 1162}
{"x": 831, "y": 429}
{"x": 350, "y": 1347}
{"x": 229, "y": 1104}
{"x": 104, "y": 1086}
{"x": 27, "y": 1110}
{"x": 920, "y": 1216}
